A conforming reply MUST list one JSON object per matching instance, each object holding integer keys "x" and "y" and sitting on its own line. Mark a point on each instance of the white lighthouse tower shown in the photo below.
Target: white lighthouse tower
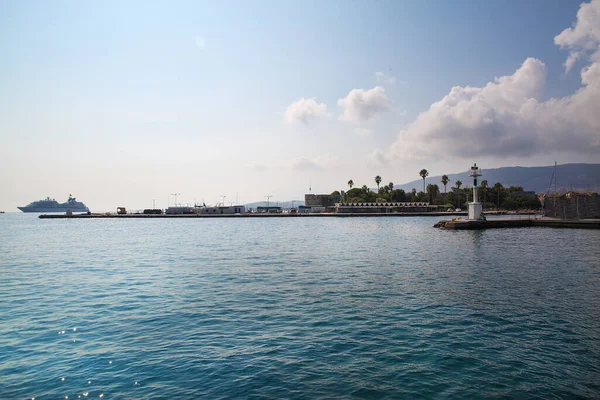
{"x": 475, "y": 207}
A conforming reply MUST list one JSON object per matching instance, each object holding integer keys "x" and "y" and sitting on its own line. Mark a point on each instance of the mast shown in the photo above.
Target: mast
{"x": 554, "y": 173}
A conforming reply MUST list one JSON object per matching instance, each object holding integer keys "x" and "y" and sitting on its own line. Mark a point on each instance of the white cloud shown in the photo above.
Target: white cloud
{"x": 583, "y": 38}
{"x": 200, "y": 42}
{"x": 303, "y": 110}
{"x": 377, "y": 158}
{"x": 363, "y": 131}
{"x": 362, "y": 105}
{"x": 507, "y": 118}
{"x": 319, "y": 163}
{"x": 385, "y": 78}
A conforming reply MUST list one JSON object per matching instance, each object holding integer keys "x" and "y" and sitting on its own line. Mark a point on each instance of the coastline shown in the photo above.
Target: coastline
{"x": 250, "y": 215}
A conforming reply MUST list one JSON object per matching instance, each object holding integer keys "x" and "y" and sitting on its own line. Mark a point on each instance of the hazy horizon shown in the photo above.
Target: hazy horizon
{"x": 120, "y": 104}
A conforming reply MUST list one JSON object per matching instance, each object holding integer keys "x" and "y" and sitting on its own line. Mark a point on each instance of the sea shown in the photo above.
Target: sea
{"x": 296, "y": 308}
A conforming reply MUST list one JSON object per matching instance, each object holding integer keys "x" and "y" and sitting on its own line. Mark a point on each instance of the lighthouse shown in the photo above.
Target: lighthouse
{"x": 475, "y": 207}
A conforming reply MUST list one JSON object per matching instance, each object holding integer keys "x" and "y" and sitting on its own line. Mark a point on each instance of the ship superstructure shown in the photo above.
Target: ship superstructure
{"x": 49, "y": 205}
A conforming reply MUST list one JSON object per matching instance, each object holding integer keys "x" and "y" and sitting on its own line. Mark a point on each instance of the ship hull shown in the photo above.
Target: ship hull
{"x": 52, "y": 209}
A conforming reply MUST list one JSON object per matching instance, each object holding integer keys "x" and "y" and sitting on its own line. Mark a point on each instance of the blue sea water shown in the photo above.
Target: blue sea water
{"x": 295, "y": 308}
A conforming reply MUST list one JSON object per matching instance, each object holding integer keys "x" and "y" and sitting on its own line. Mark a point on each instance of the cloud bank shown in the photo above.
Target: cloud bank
{"x": 363, "y": 132}
{"x": 583, "y": 39}
{"x": 319, "y": 163}
{"x": 304, "y": 110}
{"x": 363, "y": 105}
{"x": 507, "y": 117}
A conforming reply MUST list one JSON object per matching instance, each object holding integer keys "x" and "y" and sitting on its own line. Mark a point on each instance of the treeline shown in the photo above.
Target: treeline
{"x": 455, "y": 196}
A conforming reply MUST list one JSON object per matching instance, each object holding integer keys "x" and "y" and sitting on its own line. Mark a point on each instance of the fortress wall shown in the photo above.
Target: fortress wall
{"x": 572, "y": 205}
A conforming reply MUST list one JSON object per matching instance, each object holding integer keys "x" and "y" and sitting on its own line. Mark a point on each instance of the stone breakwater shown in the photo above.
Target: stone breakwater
{"x": 456, "y": 224}
{"x": 249, "y": 215}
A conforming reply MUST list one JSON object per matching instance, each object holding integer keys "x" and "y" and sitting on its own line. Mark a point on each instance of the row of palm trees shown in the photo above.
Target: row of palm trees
{"x": 423, "y": 173}
{"x": 430, "y": 189}
{"x": 501, "y": 195}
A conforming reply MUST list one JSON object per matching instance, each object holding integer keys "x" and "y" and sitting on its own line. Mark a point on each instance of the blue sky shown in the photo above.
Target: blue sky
{"x": 125, "y": 103}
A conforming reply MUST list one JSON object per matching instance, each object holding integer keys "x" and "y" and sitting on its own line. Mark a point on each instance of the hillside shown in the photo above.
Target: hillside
{"x": 568, "y": 177}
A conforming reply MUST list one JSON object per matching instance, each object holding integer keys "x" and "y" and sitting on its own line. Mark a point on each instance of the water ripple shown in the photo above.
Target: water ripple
{"x": 302, "y": 308}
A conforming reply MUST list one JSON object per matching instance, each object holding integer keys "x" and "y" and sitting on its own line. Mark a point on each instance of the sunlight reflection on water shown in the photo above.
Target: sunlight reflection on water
{"x": 356, "y": 307}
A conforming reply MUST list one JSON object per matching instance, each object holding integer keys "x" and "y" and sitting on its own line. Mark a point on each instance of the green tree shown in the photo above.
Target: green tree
{"x": 350, "y": 183}
{"x": 498, "y": 187}
{"x": 433, "y": 191}
{"x": 377, "y": 181}
{"x": 484, "y": 186}
{"x": 532, "y": 203}
{"x": 424, "y": 174}
{"x": 458, "y": 184}
{"x": 445, "y": 181}
{"x": 400, "y": 195}
{"x": 383, "y": 191}
{"x": 413, "y": 192}
{"x": 354, "y": 195}
{"x": 391, "y": 186}
{"x": 509, "y": 204}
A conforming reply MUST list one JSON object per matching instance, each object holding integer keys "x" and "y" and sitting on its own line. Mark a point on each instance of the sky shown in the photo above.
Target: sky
{"x": 128, "y": 103}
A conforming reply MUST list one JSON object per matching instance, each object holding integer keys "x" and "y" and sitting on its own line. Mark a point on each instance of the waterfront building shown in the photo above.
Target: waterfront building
{"x": 304, "y": 209}
{"x": 223, "y": 210}
{"x": 270, "y": 209}
{"x": 386, "y": 208}
{"x": 180, "y": 210}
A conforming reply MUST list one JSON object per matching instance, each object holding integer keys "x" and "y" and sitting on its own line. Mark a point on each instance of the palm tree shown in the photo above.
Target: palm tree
{"x": 350, "y": 183}
{"x": 484, "y": 186}
{"x": 414, "y": 193}
{"x": 498, "y": 186}
{"x": 424, "y": 173}
{"x": 432, "y": 190}
{"x": 445, "y": 181}
{"x": 458, "y": 184}
{"x": 377, "y": 181}
{"x": 391, "y": 186}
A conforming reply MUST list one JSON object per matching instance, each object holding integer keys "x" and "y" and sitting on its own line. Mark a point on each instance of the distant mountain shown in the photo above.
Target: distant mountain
{"x": 575, "y": 177}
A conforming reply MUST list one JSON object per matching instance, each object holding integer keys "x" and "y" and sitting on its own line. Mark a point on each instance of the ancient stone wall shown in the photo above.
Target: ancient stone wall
{"x": 321, "y": 200}
{"x": 572, "y": 205}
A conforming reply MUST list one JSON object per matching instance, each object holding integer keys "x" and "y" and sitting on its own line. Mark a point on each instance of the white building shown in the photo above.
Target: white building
{"x": 180, "y": 210}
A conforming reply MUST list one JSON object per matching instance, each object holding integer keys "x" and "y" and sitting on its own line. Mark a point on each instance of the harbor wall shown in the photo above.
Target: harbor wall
{"x": 571, "y": 205}
{"x": 321, "y": 200}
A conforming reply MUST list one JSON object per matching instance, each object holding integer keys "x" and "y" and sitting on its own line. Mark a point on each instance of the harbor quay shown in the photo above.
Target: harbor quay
{"x": 570, "y": 210}
{"x": 466, "y": 224}
{"x": 456, "y": 223}
{"x": 477, "y": 220}
{"x": 249, "y": 215}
